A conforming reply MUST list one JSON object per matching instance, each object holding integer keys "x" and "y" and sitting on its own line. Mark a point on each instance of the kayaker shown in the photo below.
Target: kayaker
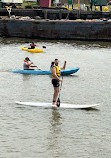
{"x": 33, "y": 45}
{"x": 27, "y": 64}
{"x": 56, "y": 72}
{"x": 52, "y": 63}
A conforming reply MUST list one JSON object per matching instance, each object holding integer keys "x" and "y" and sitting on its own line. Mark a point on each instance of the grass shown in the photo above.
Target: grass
{"x": 32, "y": 4}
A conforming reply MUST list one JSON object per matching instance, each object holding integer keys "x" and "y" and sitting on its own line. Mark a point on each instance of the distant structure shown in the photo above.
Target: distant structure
{"x": 45, "y": 3}
{"x": 98, "y": 3}
{"x": 13, "y": 3}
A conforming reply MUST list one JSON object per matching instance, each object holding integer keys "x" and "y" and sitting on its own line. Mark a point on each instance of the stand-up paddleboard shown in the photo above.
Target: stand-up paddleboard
{"x": 62, "y": 105}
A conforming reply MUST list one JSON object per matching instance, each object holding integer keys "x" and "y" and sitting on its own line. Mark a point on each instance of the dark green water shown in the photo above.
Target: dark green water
{"x": 28, "y": 132}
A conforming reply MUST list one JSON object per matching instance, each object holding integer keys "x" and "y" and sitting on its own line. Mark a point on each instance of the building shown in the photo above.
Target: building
{"x": 45, "y": 3}
{"x": 12, "y": 3}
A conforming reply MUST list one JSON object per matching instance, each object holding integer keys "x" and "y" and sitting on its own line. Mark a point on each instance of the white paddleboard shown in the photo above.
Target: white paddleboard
{"x": 62, "y": 105}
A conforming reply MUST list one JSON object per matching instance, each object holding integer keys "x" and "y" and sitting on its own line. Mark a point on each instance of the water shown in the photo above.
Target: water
{"x": 30, "y": 132}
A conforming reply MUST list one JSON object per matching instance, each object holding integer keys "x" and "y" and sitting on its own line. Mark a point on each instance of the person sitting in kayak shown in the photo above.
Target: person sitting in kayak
{"x": 27, "y": 64}
{"x": 33, "y": 45}
{"x": 56, "y": 72}
{"x": 52, "y": 64}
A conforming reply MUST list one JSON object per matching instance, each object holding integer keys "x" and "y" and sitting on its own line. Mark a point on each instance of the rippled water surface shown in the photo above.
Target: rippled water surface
{"x": 30, "y": 132}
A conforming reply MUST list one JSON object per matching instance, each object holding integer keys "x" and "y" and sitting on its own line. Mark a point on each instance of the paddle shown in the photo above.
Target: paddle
{"x": 35, "y": 65}
{"x": 58, "y": 100}
{"x": 37, "y": 68}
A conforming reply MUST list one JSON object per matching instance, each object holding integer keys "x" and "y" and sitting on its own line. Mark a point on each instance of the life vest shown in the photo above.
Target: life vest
{"x": 32, "y": 44}
{"x": 58, "y": 70}
{"x": 27, "y": 63}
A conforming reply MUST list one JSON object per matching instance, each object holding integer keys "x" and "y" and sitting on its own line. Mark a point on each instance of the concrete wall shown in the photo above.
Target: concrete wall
{"x": 59, "y": 29}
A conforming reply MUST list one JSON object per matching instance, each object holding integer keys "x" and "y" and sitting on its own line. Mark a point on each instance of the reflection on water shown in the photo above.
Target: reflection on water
{"x": 95, "y": 109}
{"x": 55, "y": 129}
{"x": 55, "y": 119}
{"x": 26, "y": 77}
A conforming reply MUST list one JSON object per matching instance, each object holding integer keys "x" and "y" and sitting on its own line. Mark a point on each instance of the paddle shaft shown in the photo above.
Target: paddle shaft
{"x": 60, "y": 87}
{"x": 58, "y": 99}
{"x": 35, "y": 65}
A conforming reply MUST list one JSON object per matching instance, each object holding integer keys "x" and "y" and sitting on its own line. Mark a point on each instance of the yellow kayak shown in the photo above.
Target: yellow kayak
{"x": 32, "y": 50}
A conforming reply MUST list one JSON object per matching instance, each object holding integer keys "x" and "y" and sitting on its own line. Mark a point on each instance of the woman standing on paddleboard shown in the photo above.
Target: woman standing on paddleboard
{"x": 56, "y": 72}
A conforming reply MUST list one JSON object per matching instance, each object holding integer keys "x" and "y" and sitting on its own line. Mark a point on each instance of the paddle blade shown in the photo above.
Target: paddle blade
{"x": 58, "y": 102}
{"x": 44, "y": 46}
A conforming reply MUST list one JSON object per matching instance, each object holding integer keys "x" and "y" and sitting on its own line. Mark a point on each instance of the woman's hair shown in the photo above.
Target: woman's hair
{"x": 27, "y": 59}
{"x": 52, "y": 63}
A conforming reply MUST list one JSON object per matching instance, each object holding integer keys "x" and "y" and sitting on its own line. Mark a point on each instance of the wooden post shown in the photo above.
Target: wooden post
{"x": 45, "y": 14}
{"x": 72, "y": 4}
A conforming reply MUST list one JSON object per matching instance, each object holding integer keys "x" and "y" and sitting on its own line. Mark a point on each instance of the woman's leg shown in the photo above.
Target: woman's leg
{"x": 55, "y": 95}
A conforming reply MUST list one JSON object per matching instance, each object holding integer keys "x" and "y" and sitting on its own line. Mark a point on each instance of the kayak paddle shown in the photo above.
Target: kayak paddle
{"x": 44, "y": 46}
{"x": 35, "y": 65}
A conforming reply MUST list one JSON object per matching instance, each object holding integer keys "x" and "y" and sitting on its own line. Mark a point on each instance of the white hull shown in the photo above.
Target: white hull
{"x": 62, "y": 105}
